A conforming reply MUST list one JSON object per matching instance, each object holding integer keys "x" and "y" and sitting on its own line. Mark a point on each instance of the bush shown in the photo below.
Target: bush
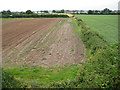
{"x": 8, "y": 81}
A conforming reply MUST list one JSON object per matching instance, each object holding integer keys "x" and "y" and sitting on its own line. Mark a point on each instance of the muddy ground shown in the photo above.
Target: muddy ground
{"x": 41, "y": 42}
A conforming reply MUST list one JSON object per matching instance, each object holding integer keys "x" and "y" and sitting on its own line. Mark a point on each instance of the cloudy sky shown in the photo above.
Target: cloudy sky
{"x": 23, "y": 5}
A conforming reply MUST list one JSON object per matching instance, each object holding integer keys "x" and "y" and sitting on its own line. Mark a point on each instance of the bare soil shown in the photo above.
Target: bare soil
{"x": 41, "y": 42}
{"x": 17, "y": 30}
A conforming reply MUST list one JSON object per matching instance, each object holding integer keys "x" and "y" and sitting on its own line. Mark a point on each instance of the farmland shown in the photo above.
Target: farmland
{"x": 59, "y": 53}
{"x": 35, "y": 43}
{"x": 47, "y": 46}
{"x": 105, "y": 25}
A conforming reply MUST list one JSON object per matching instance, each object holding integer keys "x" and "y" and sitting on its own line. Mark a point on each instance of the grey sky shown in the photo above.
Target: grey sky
{"x": 23, "y": 5}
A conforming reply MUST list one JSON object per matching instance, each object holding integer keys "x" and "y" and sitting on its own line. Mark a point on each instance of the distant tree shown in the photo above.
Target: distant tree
{"x": 53, "y": 11}
{"x": 62, "y": 11}
{"x": 96, "y": 11}
{"x": 41, "y": 11}
{"x": 4, "y": 12}
{"x": 106, "y": 11}
{"x": 22, "y": 12}
{"x": 8, "y": 12}
{"x": 45, "y": 11}
{"x": 29, "y": 12}
{"x": 90, "y": 12}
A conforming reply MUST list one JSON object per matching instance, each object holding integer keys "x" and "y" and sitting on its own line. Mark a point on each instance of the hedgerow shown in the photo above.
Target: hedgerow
{"x": 35, "y": 16}
{"x": 8, "y": 81}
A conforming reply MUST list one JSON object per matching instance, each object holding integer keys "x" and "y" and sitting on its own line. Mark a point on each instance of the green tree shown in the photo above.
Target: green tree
{"x": 29, "y": 12}
{"x": 3, "y": 12}
{"x": 62, "y": 11}
{"x": 8, "y": 12}
{"x": 45, "y": 11}
{"x": 22, "y": 12}
{"x": 53, "y": 11}
{"x": 90, "y": 12}
{"x": 106, "y": 11}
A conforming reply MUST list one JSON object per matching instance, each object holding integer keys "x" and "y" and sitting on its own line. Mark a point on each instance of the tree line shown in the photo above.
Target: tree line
{"x": 106, "y": 11}
{"x": 35, "y": 16}
{"x": 30, "y": 14}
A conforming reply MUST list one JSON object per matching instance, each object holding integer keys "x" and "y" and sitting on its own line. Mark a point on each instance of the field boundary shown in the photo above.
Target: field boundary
{"x": 102, "y": 61}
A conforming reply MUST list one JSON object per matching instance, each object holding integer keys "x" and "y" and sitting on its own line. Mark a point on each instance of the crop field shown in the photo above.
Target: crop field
{"x": 105, "y": 25}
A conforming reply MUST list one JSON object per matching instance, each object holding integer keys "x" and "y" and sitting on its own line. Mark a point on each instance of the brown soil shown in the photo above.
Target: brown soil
{"x": 36, "y": 42}
{"x": 17, "y": 30}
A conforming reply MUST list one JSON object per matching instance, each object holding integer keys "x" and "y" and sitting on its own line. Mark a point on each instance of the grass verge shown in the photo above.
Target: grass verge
{"x": 37, "y": 77}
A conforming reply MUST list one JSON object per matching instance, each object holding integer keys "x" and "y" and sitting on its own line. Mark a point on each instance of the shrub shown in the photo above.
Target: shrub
{"x": 8, "y": 81}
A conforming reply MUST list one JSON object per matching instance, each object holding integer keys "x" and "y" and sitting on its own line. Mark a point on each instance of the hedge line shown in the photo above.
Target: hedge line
{"x": 8, "y": 81}
{"x": 35, "y": 16}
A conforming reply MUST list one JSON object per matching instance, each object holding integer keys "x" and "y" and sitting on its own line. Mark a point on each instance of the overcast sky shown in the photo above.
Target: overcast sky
{"x": 34, "y": 5}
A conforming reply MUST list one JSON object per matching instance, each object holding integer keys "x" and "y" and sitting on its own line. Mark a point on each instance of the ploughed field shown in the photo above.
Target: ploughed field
{"x": 17, "y": 30}
{"x": 40, "y": 42}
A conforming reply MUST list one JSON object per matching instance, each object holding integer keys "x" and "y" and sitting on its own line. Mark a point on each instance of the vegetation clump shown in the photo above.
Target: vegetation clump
{"x": 29, "y": 15}
{"x": 8, "y": 81}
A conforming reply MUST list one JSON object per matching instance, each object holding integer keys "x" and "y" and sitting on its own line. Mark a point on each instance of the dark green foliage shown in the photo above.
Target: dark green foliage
{"x": 53, "y": 11}
{"x": 8, "y": 12}
{"x": 29, "y": 12}
{"x": 62, "y": 11}
{"x": 45, "y": 11}
{"x": 106, "y": 11}
{"x": 8, "y": 81}
{"x": 35, "y": 16}
{"x": 90, "y": 12}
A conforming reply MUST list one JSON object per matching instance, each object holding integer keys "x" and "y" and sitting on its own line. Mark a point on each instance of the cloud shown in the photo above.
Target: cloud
{"x": 23, "y": 5}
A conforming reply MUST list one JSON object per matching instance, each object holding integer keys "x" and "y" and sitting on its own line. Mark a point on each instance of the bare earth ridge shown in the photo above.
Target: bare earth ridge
{"x": 41, "y": 42}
